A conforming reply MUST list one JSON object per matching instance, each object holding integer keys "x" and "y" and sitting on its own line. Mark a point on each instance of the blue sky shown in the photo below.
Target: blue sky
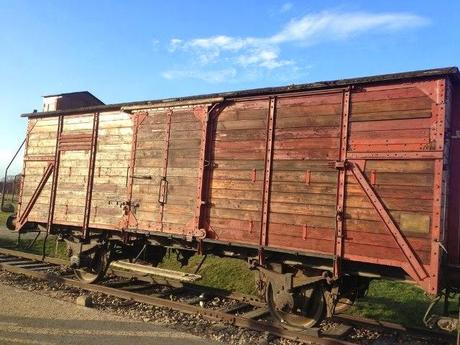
{"x": 136, "y": 50}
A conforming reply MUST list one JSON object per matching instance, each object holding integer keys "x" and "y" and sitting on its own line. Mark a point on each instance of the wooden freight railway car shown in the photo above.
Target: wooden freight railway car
{"x": 320, "y": 186}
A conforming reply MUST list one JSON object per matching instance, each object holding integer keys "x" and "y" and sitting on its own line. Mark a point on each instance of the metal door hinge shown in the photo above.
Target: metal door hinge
{"x": 339, "y": 165}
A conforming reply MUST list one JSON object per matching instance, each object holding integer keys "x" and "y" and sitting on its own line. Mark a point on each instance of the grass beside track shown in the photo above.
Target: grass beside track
{"x": 386, "y": 300}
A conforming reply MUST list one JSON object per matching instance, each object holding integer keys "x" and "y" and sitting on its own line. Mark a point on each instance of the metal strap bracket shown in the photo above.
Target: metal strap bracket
{"x": 341, "y": 166}
{"x": 23, "y": 217}
{"x": 54, "y": 183}
{"x": 267, "y": 176}
{"x": 90, "y": 180}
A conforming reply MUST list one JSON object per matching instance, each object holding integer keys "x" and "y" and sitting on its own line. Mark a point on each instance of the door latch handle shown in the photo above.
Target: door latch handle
{"x": 163, "y": 191}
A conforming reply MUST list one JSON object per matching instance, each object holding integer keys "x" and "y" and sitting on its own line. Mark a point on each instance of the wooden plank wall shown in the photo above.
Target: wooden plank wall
{"x": 113, "y": 156}
{"x": 237, "y": 177}
{"x": 395, "y": 118}
{"x": 383, "y": 119}
{"x": 112, "y": 160}
{"x": 42, "y": 142}
{"x": 304, "y": 185}
{"x": 149, "y": 162}
{"x": 181, "y": 173}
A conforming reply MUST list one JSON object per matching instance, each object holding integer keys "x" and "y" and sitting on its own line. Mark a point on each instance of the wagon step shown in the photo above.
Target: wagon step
{"x": 155, "y": 271}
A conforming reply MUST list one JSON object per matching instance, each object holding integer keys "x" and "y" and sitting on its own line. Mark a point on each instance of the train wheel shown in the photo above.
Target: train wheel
{"x": 95, "y": 270}
{"x": 304, "y": 309}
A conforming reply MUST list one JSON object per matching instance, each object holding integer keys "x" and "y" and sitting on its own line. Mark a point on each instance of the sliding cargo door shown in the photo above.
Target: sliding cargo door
{"x": 272, "y": 182}
{"x": 303, "y": 185}
{"x": 165, "y": 174}
{"x": 236, "y": 186}
{"x": 73, "y": 165}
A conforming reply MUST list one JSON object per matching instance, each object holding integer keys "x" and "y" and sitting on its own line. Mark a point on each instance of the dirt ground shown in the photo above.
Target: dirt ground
{"x": 29, "y": 318}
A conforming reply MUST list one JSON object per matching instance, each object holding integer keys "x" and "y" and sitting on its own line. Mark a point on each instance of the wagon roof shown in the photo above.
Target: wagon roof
{"x": 451, "y": 72}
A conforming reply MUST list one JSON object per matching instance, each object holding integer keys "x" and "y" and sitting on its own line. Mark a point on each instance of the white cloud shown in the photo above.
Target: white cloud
{"x": 263, "y": 57}
{"x": 174, "y": 44}
{"x": 265, "y": 52}
{"x": 328, "y": 25}
{"x": 286, "y": 7}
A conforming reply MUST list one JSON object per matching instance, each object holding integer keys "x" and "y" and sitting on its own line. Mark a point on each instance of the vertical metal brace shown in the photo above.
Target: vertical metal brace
{"x": 267, "y": 177}
{"x": 198, "y": 225}
{"x": 54, "y": 183}
{"x": 442, "y": 115}
{"x": 341, "y": 178}
{"x": 90, "y": 180}
{"x": 128, "y": 216}
{"x": 213, "y": 113}
{"x": 164, "y": 168}
{"x": 132, "y": 160}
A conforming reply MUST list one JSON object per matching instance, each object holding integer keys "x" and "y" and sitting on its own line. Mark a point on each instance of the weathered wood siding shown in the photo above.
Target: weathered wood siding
{"x": 168, "y": 145}
{"x": 396, "y": 135}
{"x": 384, "y": 120}
{"x": 112, "y": 160}
{"x": 73, "y": 172}
{"x": 303, "y": 184}
{"x": 237, "y": 177}
{"x": 41, "y": 143}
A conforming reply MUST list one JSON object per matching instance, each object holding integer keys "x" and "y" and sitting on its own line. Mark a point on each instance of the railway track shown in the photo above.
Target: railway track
{"x": 240, "y": 310}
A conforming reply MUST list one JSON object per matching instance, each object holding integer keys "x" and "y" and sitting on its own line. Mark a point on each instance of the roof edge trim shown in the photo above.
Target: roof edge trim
{"x": 451, "y": 72}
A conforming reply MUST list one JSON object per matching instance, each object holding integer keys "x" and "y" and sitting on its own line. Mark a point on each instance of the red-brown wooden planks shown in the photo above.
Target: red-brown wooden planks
{"x": 395, "y": 129}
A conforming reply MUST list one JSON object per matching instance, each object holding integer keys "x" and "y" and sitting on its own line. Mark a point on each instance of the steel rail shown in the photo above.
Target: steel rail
{"x": 250, "y": 300}
{"x": 311, "y": 335}
{"x": 308, "y": 335}
{"x": 393, "y": 327}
